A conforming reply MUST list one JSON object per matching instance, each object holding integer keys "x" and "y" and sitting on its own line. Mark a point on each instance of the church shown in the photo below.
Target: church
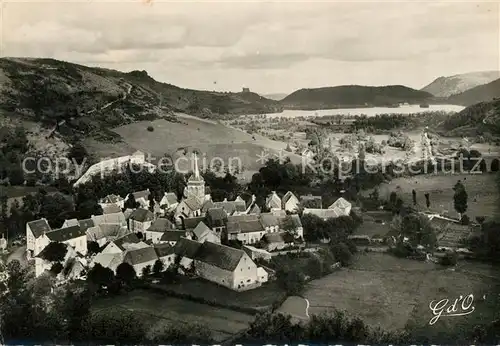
{"x": 194, "y": 196}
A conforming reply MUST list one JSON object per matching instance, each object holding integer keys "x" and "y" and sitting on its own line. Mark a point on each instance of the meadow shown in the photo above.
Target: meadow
{"x": 158, "y": 310}
{"x": 395, "y": 294}
{"x": 210, "y": 138}
{"x": 481, "y": 189}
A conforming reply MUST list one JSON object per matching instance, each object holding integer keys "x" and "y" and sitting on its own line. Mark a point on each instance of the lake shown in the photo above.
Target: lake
{"x": 407, "y": 109}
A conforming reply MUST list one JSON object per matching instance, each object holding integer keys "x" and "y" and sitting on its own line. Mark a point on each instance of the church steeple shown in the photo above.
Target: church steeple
{"x": 196, "y": 172}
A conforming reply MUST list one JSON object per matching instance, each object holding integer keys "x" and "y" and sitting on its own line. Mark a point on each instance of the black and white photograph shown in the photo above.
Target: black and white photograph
{"x": 223, "y": 172}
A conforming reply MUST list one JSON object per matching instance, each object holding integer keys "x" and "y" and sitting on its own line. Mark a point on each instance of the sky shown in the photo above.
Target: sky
{"x": 269, "y": 47}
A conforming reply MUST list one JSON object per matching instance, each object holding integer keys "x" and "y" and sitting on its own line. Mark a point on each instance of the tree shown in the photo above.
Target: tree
{"x": 427, "y": 200}
{"x": 314, "y": 267}
{"x": 126, "y": 273}
{"x": 146, "y": 271}
{"x": 131, "y": 203}
{"x": 158, "y": 267}
{"x": 291, "y": 280}
{"x": 289, "y": 225}
{"x": 414, "y": 197}
{"x": 78, "y": 153}
{"x": 460, "y": 199}
{"x": 55, "y": 252}
{"x": 100, "y": 276}
{"x": 342, "y": 254}
{"x": 449, "y": 259}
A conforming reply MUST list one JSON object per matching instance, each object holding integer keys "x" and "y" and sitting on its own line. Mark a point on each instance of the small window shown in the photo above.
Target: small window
{"x": 249, "y": 280}
{"x": 248, "y": 268}
{"x": 241, "y": 269}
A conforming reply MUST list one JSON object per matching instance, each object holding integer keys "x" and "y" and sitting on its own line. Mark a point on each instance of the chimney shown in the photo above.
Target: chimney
{"x": 225, "y": 200}
{"x": 254, "y": 198}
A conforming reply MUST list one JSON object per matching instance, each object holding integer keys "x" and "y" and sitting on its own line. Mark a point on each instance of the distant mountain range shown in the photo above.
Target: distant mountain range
{"x": 448, "y": 86}
{"x": 354, "y": 96}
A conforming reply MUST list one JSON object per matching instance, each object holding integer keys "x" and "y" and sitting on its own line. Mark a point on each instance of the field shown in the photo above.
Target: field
{"x": 212, "y": 139}
{"x": 395, "y": 293}
{"x": 259, "y": 298}
{"x": 158, "y": 310}
{"x": 481, "y": 189}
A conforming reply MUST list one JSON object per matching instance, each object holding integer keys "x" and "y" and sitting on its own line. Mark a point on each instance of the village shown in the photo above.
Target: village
{"x": 195, "y": 234}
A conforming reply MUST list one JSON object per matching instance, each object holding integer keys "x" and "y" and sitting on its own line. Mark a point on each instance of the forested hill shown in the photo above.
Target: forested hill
{"x": 482, "y": 93}
{"x": 353, "y": 96}
{"x": 50, "y": 91}
{"x": 478, "y": 119}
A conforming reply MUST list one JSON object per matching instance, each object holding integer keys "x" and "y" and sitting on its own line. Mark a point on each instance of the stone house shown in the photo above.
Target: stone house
{"x": 273, "y": 201}
{"x": 141, "y": 258}
{"x": 203, "y": 233}
{"x": 157, "y": 229}
{"x": 140, "y": 220}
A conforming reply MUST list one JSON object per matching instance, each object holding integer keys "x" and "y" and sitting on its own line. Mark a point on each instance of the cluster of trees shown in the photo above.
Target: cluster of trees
{"x": 54, "y": 207}
{"x": 335, "y": 229}
{"x": 13, "y": 147}
{"x": 31, "y": 313}
{"x": 320, "y": 329}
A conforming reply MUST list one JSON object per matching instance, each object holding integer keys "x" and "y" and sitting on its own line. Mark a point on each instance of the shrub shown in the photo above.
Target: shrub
{"x": 450, "y": 259}
{"x": 151, "y": 128}
{"x": 465, "y": 220}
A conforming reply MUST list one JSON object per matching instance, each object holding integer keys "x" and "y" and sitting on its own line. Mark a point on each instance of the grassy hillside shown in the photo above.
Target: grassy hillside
{"x": 92, "y": 100}
{"x": 452, "y": 85}
{"x": 477, "y": 119}
{"x": 210, "y": 138}
{"x": 353, "y": 96}
{"x": 482, "y": 93}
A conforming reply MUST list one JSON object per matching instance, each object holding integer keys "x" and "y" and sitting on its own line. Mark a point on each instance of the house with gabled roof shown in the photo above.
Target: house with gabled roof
{"x": 341, "y": 206}
{"x": 226, "y": 266}
{"x": 165, "y": 253}
{"x": 115, "y": 218}
{"x": 108, "y": 260}
{"x": 42, "y": 264}
{"x": 204, "y": 233}
{"x": 105, "y": 233}
{"x": 273, "y": 201}
{"x": 270, "y": 222}
{"x": 190, "y": 223}
{"x": 236, "y": 207}
{"x": 216, "y": 219}
{"x": 173, "y": 236}
{"x": 290, "y": 202}
{"x": 140, "y": 258}
{"x": 69, "y": 223}
{"x": 256, "y": 253}
{"x": 73, "y": 236}
{"x": 248, "y": 231}
{"x": 254, "y": 209}
{"x": 157, "y": 229}
{"x": 324, "y": 214}
{"x": 140, "y": 220}
{"x": 34, "y": 236}
{"x": 186, "y": 249}
{"x": 187, "y": 208}
{"x": 142, "y": 197}
{"x": 169, "y": 202}
{"x": 113, "y": 199}
{"x": 110, "y": 208}
{"x": 121, "y": 244}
